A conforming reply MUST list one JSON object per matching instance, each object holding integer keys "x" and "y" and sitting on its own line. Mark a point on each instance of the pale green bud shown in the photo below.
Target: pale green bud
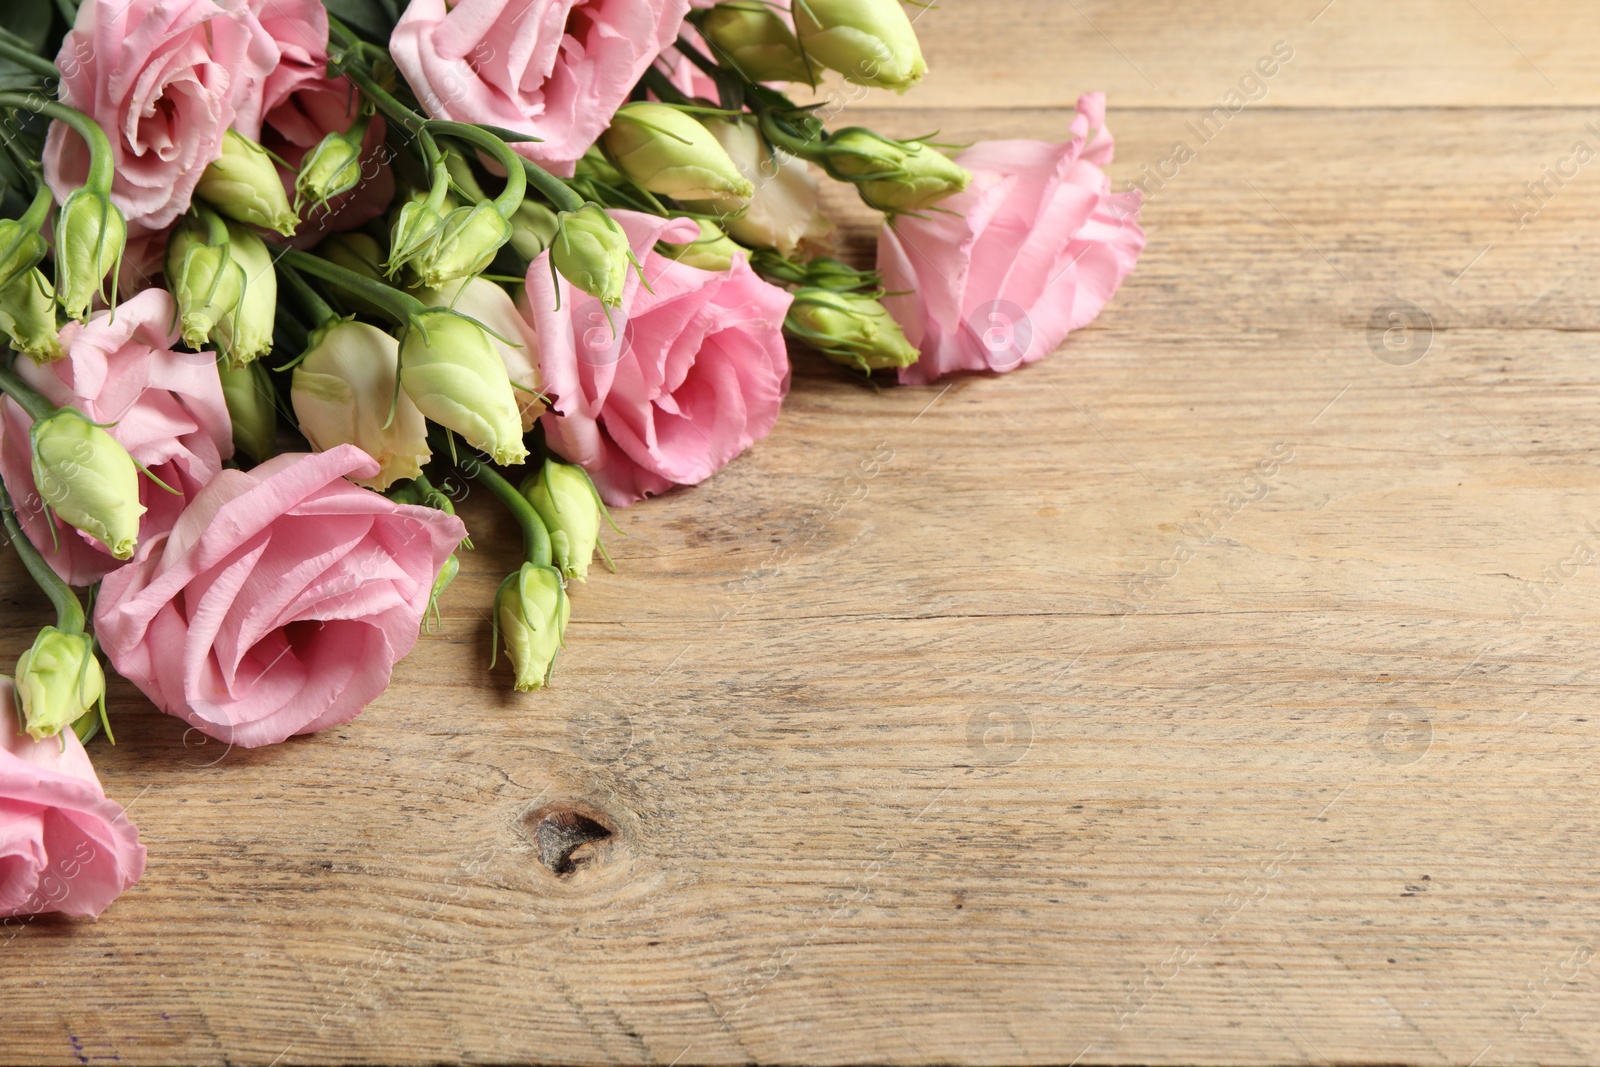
{"x": 533, "y": 229}
{"x": 751, "y": 37}
{"x": 414, "y": 232}
{"x": 531, "y": 613}
{"x": 252, "y": 407}
{"x": 851, "y": 329}
{"x": 894, "y": 176}
{"x": 205, "y": 279}
{"x": 594, "y": 166}
{"x": 454, "y": 374}
{"x": 88, "y": 479}
{"x": 466, "y": 245}
{"x": 28, "y": 316}
{"x": 714, "y": 250}
{"x": 90, "y": 236}
{"x": 669, "y": 152}
{"x": 22, "y": 248}
{"x": 243, "y": 184}
{"x": 244, "y": 334}
{"x": 571, "y": 511}
{"x": 331, "y": 169}
{"x": 343, "y": 392}
{"x": 592, "y": 253}
{"x": 870, "y": 42}
{"x": 59, "y": 681}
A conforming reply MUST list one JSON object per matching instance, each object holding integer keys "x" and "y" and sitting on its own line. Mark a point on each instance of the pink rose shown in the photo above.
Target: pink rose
{"x": 165, "y": 407}
{"x": 693, "y": 375}
{"x": 556, "y": 69}
{"x": 1033, "y": 249}
{"x": 165, "y": 79}
{"x": 63, "y": 846}
{"x": 280, "y": 602}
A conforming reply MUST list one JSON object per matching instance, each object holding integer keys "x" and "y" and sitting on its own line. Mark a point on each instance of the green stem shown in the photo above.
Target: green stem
{"x": 516, "y": 177}
{"x": 22, "y": 57}
{"x": 312, "y": 300}
{"x": 386, "y": 101}
{"x": 39, "y": 210}
{"x": 554, "y": 189}
{"x": 101, "y": 166}
{"x": 27, "y": 397}
{"x": 402, "y": 306}
{"x": 535, "y": 538}
{"x": 69, "y": 612}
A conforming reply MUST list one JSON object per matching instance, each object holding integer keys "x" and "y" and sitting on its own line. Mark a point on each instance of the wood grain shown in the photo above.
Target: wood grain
{"x": 1016, "y": 720}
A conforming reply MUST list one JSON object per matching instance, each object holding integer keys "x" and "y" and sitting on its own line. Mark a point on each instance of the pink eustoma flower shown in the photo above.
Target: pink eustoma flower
{"x": 673, "y": 384}
{"x": 999, "y": 274}
{"x": 165, "y": 407}
{"x": 280, "y": 602}
{"x": 63, "y": 846}
{"x": 555, "y": 69}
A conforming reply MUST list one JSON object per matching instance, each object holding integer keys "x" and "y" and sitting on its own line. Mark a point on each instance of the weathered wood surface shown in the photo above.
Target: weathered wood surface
{"x": 937, "y": 728}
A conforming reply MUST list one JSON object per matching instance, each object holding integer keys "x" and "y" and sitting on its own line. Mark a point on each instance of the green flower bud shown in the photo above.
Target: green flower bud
{"x": 751, "y": 37}
{"x": 243, "y": 184}
{"x": 252, "y": 407}
{"x": 88, "y": 479}
{"x": 343, "y": 392}
{"x": 90, "y": 236}
{"x": 447, "y": 574}
{"x": 451, "y": 370}
{"x": 851, "y": 329}
{"x": 59, "y": 681}
{"x": 466, "y": 245}
{"x": 570, "y": 508}
{"x": 870, "y": 42}
{"x": 416, "y": 229}
{"x": 245, "y": 333}
{"x": 893, "y": 176}
{"x": 28, "y": 316}
{"x": 714, "y": 251}
{"x": 592, "y": 253}
{"x": 331, "y": 169}
{"x": 531, "y": 612}
{"x": 533, "y": 229}
{"x": 22, "y": 248}
{"x": 669, "y": 152}
{"x": 205, "y": 278}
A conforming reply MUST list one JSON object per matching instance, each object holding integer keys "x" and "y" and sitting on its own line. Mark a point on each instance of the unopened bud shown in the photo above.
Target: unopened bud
{"x": 22, "y": 248}
{"x": 531, "y": 613}
{"x": 331, "y": 169}
{"x": 88, "y": 479}
{"x": 28, "y": 316}
{"x": 343, "y": 392}
{"x": 244, "y": 334}
{"x": 870, "y": 42}
{"x": 59, "y": 681}
{"x": 851, "y": 329}
{"x": 669, "y": 152}
{"x": 893, "y": 176}
{"x": 533, "y": 229}
{"x": 466, "y": 245}
{"x": 243, "y": 184}
{"x": 90, "y": 236}
{"x": 570, "y": 508}
{"x": 592, "y": 253}
{"x": 713, "y": 250}
{"x": 754, "y": 40}
{"x": 455, "y": 376}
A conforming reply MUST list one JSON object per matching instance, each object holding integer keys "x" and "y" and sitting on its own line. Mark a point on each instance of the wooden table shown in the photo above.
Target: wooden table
{"x": 1013, "y": 720}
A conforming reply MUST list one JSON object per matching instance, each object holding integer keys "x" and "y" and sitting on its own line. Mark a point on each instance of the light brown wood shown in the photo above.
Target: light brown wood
{"x": 936, "y": 728}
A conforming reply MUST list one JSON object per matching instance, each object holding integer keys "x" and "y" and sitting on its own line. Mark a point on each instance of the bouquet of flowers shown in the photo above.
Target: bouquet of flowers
{"x": 273, "y": 272}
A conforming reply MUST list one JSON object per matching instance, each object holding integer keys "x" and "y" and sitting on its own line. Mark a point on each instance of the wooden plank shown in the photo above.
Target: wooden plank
{"x": 977, "y": 768}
